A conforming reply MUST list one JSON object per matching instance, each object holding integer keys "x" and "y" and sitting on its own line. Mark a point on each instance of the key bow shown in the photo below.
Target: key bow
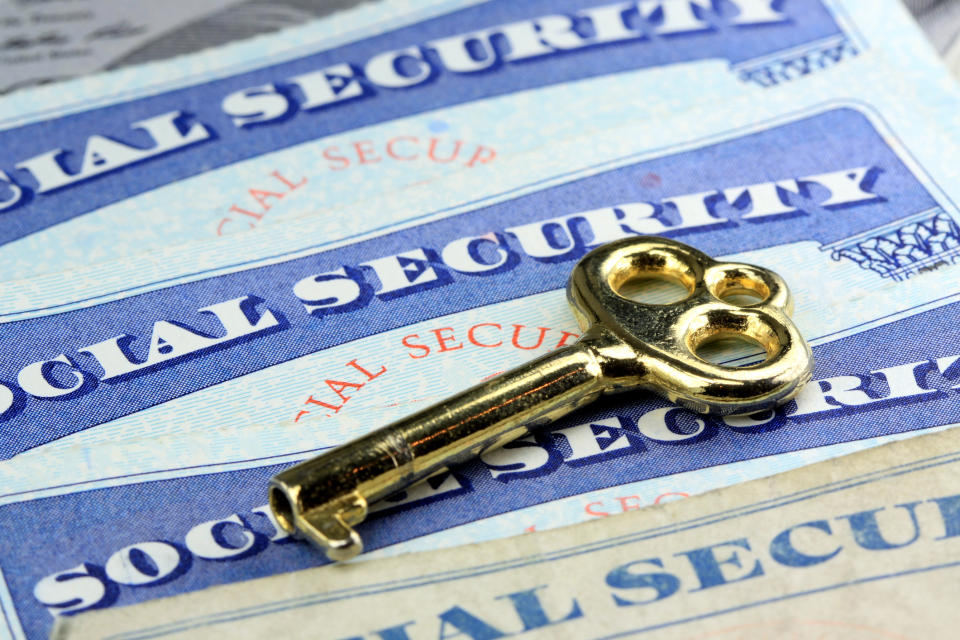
{"x": 654, "y": 346}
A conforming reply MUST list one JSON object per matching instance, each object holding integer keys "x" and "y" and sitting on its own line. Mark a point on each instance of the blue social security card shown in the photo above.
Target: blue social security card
{"x": 141, "y": 421}
{"x": 148, "y": 399}
{"x": 382, "y": 97}
{"x": 854, "y": 547}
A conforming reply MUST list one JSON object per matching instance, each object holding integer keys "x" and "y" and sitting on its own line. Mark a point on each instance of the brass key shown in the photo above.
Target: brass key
{"x": 625, "y": 346}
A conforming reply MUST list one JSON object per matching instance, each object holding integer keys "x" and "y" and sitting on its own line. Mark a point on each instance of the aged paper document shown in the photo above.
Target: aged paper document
{"x": 864, "y": 546}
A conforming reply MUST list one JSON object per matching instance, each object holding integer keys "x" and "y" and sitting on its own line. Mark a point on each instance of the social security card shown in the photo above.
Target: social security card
{"x": 860, "y": 547}
{"x": 386, "y": 96}
{"x": 140, "y": 424}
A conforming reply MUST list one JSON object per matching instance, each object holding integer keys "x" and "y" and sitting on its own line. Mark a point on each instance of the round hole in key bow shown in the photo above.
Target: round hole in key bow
{"x": 735, "y": 338}
{"x": 655, "y": 276}
{"x": 739, "y": 285}
{"x": 731, "y": 351}
{"x": 654, "y": 289}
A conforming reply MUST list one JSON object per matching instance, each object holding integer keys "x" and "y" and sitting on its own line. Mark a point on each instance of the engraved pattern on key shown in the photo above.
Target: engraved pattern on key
{"x": 626, "y": 346}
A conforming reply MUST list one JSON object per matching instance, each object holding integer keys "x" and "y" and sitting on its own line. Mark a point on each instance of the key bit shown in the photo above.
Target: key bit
{"x": 625, "y": 346}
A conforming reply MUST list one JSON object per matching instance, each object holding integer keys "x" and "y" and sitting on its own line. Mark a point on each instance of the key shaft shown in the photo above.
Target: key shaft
{"x": 324, "y": 497}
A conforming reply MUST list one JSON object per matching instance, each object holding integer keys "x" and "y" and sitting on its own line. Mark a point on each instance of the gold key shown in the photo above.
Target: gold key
{"x": 626, "y": 346}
